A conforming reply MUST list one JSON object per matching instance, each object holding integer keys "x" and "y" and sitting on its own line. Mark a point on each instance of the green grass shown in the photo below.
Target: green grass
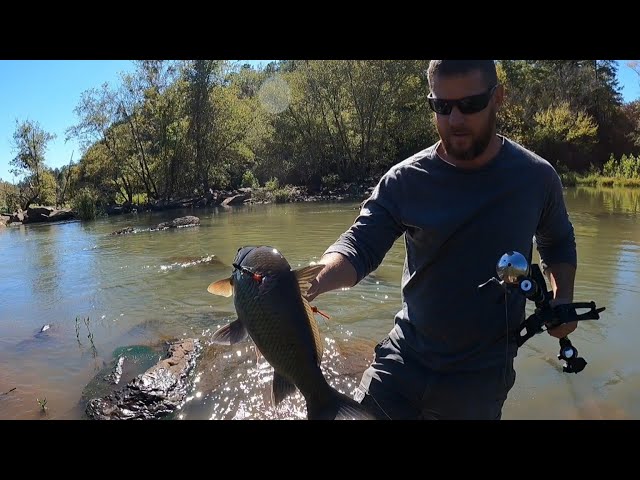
{"x": 601, "y": 181}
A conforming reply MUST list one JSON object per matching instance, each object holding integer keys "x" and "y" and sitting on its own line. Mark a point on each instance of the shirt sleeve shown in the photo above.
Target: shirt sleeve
{"x": 376, "y": 228}
{"x": 555, "y": 236}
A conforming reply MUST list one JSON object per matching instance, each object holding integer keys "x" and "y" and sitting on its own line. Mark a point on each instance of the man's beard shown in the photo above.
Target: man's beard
{"x": 478, "y": 145}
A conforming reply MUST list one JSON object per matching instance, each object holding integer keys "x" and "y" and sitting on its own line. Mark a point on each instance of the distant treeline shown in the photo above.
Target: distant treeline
{"x": 176, "y": 129}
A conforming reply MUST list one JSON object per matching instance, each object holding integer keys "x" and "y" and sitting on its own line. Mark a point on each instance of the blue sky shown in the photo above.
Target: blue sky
{"x": 47, "y": 91}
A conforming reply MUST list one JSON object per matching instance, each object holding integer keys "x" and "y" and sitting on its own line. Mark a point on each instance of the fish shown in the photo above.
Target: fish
{"x": 272, "y": 311}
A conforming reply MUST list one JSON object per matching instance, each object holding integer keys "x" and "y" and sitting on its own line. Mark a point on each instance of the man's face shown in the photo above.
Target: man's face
{"x": 465, "y": 135}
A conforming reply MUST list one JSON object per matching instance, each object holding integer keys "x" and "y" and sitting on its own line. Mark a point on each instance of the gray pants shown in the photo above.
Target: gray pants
{"x": 397, "y": 387}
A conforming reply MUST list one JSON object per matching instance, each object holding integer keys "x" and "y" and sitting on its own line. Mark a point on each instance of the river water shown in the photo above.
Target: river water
{"x": 100, "y": 292}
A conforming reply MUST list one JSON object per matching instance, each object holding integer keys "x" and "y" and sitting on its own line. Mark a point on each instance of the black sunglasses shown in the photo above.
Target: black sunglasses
{"x": 466, "y": 105}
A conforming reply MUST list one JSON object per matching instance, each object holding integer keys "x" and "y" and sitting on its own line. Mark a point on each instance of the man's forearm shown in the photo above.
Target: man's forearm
{"x": 337, "y": 273}
{"x": 562, "y": 277}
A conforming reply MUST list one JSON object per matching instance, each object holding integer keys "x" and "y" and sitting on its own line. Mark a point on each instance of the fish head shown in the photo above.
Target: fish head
{"x": 258, "y": 268}
{"x": 262, "y": 260}
{"x": 256, "y": 271}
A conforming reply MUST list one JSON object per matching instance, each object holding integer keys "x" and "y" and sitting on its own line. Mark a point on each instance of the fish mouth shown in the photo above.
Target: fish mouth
{"x": 242, "y": 253}
{"x": 246, "y": 250}
{"x": 258, "y": 261}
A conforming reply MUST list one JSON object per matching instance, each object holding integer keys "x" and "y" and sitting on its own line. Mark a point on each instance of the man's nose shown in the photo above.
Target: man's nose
{"x": 456, "y": 118}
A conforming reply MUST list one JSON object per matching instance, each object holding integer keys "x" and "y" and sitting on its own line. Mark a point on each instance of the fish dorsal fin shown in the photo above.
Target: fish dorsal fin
{"x": 306, "y": 274}
{"x": 222, "y": 287}
{"x": 281, "y": 388}
{"x": 232, "y": 333}
{"x": 316, "y": 331}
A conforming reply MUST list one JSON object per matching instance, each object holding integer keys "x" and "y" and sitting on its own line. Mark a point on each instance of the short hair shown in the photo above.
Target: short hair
{"x": 461, "y": 67}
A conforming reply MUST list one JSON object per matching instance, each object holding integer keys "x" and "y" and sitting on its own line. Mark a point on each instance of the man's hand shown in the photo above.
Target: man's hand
{"x": 338, "y": 272}
{"x": 565, "y": 329}
{"x": 312, "y": 292}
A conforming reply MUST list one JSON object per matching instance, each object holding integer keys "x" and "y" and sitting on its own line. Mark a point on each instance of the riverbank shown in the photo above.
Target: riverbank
{"x": 355, "y": 191}
{"x": 260, "y": 195}
{"x": 37, "y": 215}
{"x": 216, "y": 198}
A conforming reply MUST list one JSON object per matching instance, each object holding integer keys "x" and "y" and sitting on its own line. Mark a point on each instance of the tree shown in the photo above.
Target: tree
{"x": 631, "y": 113}
{"x": 98, "y": 113}
{"x": 201, "y": 76}
{"x": 63, "y": 177}
{"x": 588, "y": 86}
{"x": 352, "y": 118}
{"x": 30, "y": 144}
{"x": 9, "y": 197}
{"x": 154, "y": 108}
{"x": 563, "y": 136}
{"x": 141, "y": 107}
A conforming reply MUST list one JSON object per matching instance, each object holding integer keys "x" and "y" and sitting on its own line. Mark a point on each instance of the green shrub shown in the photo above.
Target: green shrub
{"x": 249, "y": 180}
{"x": 84, "y": 204}
{"x": 272, "y": 184}
{"x": 287, "y": 193}
{"x": 331, "y": 181}
{"x": 569, "y": 179}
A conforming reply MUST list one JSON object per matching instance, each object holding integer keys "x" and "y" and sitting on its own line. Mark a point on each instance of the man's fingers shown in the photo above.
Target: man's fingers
{"x": 562, "y": 331}
{"x": 312, "y": 292}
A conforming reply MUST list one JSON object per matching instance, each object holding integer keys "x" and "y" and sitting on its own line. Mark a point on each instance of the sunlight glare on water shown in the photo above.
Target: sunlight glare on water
{"x": 247, "y": 395}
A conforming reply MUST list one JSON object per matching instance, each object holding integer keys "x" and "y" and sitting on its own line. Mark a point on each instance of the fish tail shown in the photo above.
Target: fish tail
{"x": 341, "y": 407}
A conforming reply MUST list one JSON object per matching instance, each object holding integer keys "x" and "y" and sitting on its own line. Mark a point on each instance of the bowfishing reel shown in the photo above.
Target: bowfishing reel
{"x": 516, "y": 275}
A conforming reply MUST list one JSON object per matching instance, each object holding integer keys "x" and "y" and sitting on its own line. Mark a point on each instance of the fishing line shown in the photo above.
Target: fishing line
{"x": 379, "y": 406}
{"x": 506, "y": 351}
{"x": 367, "y": 392}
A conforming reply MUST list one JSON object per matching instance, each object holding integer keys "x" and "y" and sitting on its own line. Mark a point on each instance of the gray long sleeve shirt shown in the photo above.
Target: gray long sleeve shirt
{"x": 456, "y": 225}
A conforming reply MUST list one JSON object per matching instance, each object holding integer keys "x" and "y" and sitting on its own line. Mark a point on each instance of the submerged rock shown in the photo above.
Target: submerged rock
{"x": 180, "y": 222}
{"x": 40, "y": 338}
{"x": 123, "y": 231}
{"x": 128, "y": 362}
{"x": 154, "y": 394}
{"x": 188, "y": 221}
{"x": 116, "y": 374}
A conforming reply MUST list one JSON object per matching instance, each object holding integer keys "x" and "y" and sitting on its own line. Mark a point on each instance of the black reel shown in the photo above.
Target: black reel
{"x": 515, "y": 275}
{"x": 569, "y": 354}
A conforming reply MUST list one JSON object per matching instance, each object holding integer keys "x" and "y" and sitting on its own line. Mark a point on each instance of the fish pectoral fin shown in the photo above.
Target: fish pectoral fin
{"x": 230, "y": 334}
{"x": 306, "y": 275}
{"x": 281, "y": 388}
{"x": 222, "y": 287}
